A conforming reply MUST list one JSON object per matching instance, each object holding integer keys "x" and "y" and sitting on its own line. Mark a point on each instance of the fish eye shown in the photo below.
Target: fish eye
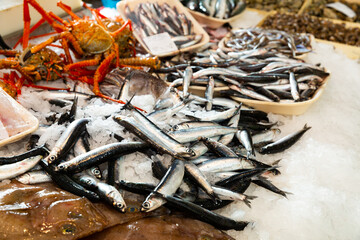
{"x": 192, "y": 153}
{"x": 96, "y": 171}
{"x": 68, "y": 229}
{"x": 146, "y": 204}
{"x": 53, "y": 158}
{"x": 119, "y": 205}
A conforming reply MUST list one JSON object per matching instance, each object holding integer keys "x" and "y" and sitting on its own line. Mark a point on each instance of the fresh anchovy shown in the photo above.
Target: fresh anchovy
{"x": 284, "y": 143}
{"x": 219, "y": 71}
{"x": 193, "y": 42}
{"x": 306, "y": 94}
{"x": 263, "y": 182}
{"x": 41, "y": 150}
{"x": 220, "y": 9}
{"x": 67, "y": 140}
{"x": 152, "y": 134}
{"x": 244, "y": 175}
{"x": 193, "y": 172}
{"x": 224, "y": 164}
{"x": 205, "y": 215}
{"x": 239, "y": 7}
{"x": 220, "y": 149}
{"x": 310, "y": 77}
{"x": 192, "y": 134}
{"x": 163, "y": 103}
{"x": 107, "y": 192}
{"x": 34, "y": 177}
{"x": 193, "y": 124}
{"x": 225, "y": 102}
{"x": 245, "y": 138}
{"x": 82, "y": 146}
{"x": 218, "y": 116}
{"x": 225, "y": 194}
{"x": 266, "y": 136}
{"x": 161, "y": 115}
{"x": 294, "y": 87}
{"x": 209, "y": 93}
{"x": 199, "y": 148}
{"x": 15, "y": 169}
{"x": 200, "y": 159}
{"x": 150, "y": 26}
{"x": 66, "y": 183}
{"x": 184, "y": 25}
{"x": 234, "y": 122}
{"x": 99, "y": 155}
{"x": 251, "y": 93}
{"x": 267, "y": 93}
{"x": 167, "y": 186}
{"x": 186, "y": 80}
{"x": 186, "y": 190}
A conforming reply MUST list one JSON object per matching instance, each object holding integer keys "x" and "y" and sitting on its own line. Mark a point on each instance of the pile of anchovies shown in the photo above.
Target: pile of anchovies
{"x": 268, "y": 72}
{"x": 254, "y": 38}
{"x": 221, "y": 9}
{"x": 212, "y": 156}
{"x": 151, "y": 18}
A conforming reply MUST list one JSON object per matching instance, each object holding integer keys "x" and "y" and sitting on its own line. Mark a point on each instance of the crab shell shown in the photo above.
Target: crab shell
{"x": 43, "y": 65}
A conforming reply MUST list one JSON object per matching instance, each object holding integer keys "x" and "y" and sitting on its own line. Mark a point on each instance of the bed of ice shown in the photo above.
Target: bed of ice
{"x": 321, "y": 171}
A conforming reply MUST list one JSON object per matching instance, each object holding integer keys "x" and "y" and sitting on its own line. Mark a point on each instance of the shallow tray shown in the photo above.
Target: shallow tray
{"x": 181, "y": 9}
{"x": 296, "y": 108}
{"x": 32, "y": 122}
{"x": 212, "y": 22}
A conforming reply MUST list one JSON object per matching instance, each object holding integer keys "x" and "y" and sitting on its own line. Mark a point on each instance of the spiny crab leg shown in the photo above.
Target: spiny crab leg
{"x": 27, "y": 21}
{"x": 46, "y": 16}
{"x": 67, "y": 9}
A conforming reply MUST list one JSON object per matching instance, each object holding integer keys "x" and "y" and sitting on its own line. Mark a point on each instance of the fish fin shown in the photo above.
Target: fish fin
{"x": 238, "y": 109}
{"x": 275, "y": 163}
{"x": 193, "y": 118}
{"x": 306, "y": 127}
{"x": 128, "y": 104}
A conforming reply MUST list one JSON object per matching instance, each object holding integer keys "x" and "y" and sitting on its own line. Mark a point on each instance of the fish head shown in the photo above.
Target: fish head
{"x": 151, "y": 204}
{"x": 188, "y": 153}
{"x": 53, "y": 155}
{"x": 117, "y": 201}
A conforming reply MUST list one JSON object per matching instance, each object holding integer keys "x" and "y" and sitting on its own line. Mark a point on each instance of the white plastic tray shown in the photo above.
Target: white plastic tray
{"x": 11, "y": 110}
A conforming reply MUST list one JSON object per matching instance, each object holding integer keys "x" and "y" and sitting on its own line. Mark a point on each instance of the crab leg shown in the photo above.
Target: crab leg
{"x": 10, "y": 64}
{"x": 46, "y": 16}
{"x": 27, "y": 21}
{"x": 33, "y": 28}
{"x": 67, "y": 9}
{"x": 63, "y": 35}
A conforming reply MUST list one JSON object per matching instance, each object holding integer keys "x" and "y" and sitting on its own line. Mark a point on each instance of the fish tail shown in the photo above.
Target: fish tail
{"x": 306, "y": 127}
